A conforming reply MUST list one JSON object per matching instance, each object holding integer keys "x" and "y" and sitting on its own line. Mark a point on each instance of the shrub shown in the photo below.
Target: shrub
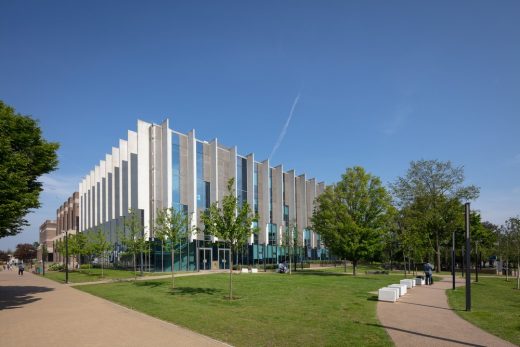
{"x": 56, "y": 267}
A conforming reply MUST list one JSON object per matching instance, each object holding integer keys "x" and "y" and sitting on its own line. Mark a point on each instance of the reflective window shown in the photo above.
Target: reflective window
{"x": 176, "y": 170}
{"x": 255, "y": 184}
{"x": 272, "y": 234}
{"x": 241, "y": 180}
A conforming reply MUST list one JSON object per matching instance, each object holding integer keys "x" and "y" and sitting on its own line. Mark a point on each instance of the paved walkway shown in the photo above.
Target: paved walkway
{"x": 423, "y": 318}
{"x": 35, "y": 311}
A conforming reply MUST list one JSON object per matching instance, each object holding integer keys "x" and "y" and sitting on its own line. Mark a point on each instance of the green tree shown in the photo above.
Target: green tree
{"x": 513, "y": 244}
{"x": 78, "y": 246}
{"x": 4, "y": 256}
{"x": 171, "y": 226}
{"x": 25, "y": 252}
{"x": 132, "y": 237}
{"x": 98, "y": 245}
{"x": 434, "y": 190}
{"x": 231, "y": 223}
{"x": 24, "y": 156}
{"x": 352, "y": 215}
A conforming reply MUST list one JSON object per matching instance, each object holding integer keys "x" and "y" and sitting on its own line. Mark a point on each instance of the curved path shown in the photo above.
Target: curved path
{"x": 35, "y": 311}
{"x": 423, "y": 318}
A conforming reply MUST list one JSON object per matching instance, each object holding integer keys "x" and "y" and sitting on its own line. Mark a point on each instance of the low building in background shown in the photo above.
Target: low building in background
{"x": 47, "y": 235}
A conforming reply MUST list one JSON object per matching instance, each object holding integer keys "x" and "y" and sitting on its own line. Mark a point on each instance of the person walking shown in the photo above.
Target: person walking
{"x": 20, "y": 269}
{"x": 428, "y": 272}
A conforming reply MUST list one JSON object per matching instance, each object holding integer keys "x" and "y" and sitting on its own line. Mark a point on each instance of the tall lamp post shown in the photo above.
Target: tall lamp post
{"x": 453, "y": 261}
{"x": 66, "y": 256}
{"x": 468, "y": 259}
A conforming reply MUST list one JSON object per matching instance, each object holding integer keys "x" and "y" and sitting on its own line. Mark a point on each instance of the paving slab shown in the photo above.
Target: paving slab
{"x": 424, "y": 318}
{"x": 36, "y": 311}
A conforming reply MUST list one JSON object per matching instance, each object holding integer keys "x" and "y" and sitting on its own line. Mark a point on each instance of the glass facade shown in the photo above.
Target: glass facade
{"x": 307, "y": 237}
{"x": 176, "y": 171}
{"x": 270, "y": 195}
{"x": 203, "y": 187}
{"x": 255, "y": 185}
{"x": 241, "y": 180}
{"x": 273, "y": 233}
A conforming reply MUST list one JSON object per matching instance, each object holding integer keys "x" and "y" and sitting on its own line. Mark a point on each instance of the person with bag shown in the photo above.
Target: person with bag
{"x": 428, "y": 272}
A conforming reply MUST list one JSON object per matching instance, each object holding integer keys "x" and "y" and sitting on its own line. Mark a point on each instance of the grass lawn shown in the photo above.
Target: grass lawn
{"x": 308, "y": 308}
{"x": 495, "y": 307}
{"x": 84, "y": 275}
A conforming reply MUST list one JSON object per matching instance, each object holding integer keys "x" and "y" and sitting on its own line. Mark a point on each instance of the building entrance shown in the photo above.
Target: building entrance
{"x": 223, "y": 258}
{"x": 205, "y": 256}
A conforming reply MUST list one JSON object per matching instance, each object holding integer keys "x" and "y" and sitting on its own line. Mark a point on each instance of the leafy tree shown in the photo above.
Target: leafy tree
{"x": 78, "y": 246}
{"x": 513, "y": 244}
{"x": 24, "y": 156}
{"x": 230, "y": 223}
{"x": 352, "y": 215}
{"x": 98, "y": 245}
{"x": 132, "y": 237}
{"x": 434, "y": 190}
{"x": 290, "y": 241}
{"x": 4, "y": 256}
{"x": 25, "y": 252}
{"x": 171, "y": 226}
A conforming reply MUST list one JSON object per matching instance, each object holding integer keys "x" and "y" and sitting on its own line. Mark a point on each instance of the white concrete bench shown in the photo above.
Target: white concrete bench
{"x": 245, "y": 271}
{"x": 254, "y": 271}
{"x": 401, "y": 287}
{"x": 388, "y": 294}
{"x": 408, "y": 282}
{"x": 420, "y": 281}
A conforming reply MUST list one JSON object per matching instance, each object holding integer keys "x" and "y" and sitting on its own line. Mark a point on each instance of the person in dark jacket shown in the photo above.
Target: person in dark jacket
{"x": 428, "y": 272}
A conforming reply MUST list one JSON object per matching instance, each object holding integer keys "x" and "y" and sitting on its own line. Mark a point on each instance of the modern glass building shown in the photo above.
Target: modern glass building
{"x": 157, "y": 167}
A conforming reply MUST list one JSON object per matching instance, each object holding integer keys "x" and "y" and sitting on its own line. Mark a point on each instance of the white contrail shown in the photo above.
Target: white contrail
{"x": 284, "y": 130}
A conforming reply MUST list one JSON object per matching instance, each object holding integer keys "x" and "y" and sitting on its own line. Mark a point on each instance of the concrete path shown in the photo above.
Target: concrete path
{"x": 35, "y": 311}
{"x": 423, "y": 318}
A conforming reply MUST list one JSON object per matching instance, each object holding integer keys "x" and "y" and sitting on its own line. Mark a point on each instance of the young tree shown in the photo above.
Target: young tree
{"x": 513, "y": 235}
{"x": 132, "y": 237}
{"x": 78, "y": 246}
{"x": 171, "y": 226}
{"x": 230, "y": 223}
{"x": 352, "y": 215}
{"x": 25, "y": 252}
{"x": 435, "y": 190}
{"x": 24, "y": 156}
{"x": 98, "y": 245}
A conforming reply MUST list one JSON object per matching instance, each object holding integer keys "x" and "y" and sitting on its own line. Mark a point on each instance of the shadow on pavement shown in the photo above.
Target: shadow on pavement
{"x": 12, "y": 297}
{"x": 425, "y": 335}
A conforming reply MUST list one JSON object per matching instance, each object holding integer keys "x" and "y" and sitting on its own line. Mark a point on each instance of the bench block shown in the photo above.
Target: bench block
{"x": 409, "y": 283}
{"x": 420, "y": 281}
{"x": 254, "y": 270}
{"x": 388, "y": 294}
{"x": 401, "y": 287}
{"x": 245, "y": 271}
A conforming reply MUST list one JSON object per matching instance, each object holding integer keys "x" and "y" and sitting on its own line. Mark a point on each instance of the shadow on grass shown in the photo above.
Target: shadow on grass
{"x": 319, "y": 273}
{"x": 12, "y": 297}
{"x": 150, "y": 284}
{"x": 194, "y": 291}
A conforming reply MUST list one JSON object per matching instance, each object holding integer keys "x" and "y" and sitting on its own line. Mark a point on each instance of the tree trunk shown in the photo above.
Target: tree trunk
{"x": 354, "y": 266}
{"x": 437, "y": 253}
{"x": 102, "y": 273}
{"x": 230, "y": 273}
{"x": 345, "y": 265}
{"x": 173, "y": 265}
{"x": 518, "y": 273}
{"x": 135, "y": 269}
{"x": 404, "y": 264}
{"x": 507, "y": 269}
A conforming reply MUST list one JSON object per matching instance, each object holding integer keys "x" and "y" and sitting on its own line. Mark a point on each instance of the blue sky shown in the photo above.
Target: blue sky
{"x": 380, "y": 83}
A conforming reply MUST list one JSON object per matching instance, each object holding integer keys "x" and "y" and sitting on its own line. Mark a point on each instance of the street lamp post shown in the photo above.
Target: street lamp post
{"x": 66, "y": 257}
{"x": 468, "y": 259}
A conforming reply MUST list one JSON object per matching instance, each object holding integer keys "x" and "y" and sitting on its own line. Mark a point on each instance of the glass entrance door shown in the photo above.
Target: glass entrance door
{"x": 223, "y": 258}
{"x": 205, "y": 256}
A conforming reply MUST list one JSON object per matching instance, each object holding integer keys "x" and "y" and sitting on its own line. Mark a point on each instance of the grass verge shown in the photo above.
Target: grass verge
{"x": 307, "y": 308}
{"x": 495, "y": 307}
